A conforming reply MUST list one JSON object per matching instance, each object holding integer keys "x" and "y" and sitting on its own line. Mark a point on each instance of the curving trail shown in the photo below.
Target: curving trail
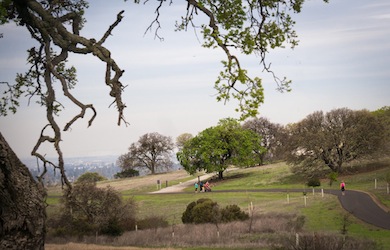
{"x": 364, "y": 207}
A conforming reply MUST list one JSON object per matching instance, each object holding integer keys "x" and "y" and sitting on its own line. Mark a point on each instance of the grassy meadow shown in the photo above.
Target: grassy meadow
{"x": 274, "y": 215}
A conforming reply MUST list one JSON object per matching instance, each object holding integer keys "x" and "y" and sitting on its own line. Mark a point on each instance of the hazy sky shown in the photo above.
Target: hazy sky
{"x": 342, "y": 61}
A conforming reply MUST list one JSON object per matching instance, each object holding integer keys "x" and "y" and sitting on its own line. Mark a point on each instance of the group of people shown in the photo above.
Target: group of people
{"x": 202, "y": 187}
{"x": 199, "y": 186}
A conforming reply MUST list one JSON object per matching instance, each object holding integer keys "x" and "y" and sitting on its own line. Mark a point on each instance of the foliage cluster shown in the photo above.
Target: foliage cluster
{"x": 126, "y": 173}
{"x": 332, "y": 139}
{"x": 152, "y": 151}
{"x": 89, "y": 210}
{"x": 207, "y": 211}
{"x": 314, "y": 182}
{"x": 273, "y": 138}
{"x": 216, "y": 148}
{"x": 90, "y": 177}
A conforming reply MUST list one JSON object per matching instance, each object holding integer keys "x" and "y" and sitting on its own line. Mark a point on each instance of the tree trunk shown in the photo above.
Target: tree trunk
{"x": 220, "y": 175}
{"x": 22, "y": 206}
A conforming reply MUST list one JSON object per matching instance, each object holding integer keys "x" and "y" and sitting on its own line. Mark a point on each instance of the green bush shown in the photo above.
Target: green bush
{"x": 90, "y": 177}
{"x": 87, "y": 210}
{"x": 208, "y": 211}
{"x": 233, "y": 213}
{"x": 187, "y": 215}
{"x": 205, "y": 212}
{"x": 126, "y": 173}
{"x": 314, "y": 182}
{"x": 332, "y": 177}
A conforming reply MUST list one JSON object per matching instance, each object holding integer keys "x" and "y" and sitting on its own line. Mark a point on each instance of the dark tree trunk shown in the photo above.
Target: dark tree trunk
{"x": 22, "y": 206}
{"x": 220, "y": 175}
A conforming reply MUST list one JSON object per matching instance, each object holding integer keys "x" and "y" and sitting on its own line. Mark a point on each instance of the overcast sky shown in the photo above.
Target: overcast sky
{"x": 342, "y": 61}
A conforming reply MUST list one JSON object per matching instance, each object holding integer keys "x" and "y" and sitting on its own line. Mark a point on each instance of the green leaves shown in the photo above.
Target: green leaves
{"x": 216, "y": 148}
{"x": 234, "y": 82}
{"x": 251, "y": 27}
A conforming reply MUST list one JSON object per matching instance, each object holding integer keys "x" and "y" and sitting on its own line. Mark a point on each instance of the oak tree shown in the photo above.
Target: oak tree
{"x": 216, "y": 148}
{"x": 152, "y": 151}
{"x": 332, "y": 139}
{"x": 272, "y": 138}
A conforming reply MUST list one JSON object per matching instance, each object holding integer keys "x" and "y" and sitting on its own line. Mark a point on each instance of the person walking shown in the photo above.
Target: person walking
{"x": 342, "y": 187}
{"x": 196, "y": 187}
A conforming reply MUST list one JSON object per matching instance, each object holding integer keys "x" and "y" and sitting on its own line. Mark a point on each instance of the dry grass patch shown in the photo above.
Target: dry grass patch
{"x": 79, "y": 246}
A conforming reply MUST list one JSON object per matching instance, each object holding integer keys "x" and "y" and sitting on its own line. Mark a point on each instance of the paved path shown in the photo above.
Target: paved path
{"x": 358, "y": 203}
{"x": 364, "y": 207}
{"x": 180, "y": 187}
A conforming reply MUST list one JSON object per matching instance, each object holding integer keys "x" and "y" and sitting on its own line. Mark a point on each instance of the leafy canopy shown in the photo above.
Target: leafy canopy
{"x": 216, "y": 148}
{"x": 332, "y": 139}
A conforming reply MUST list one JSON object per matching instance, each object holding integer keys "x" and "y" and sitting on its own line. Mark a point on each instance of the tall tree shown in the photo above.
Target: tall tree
{"x": 383, "y": 115}
{"x": 272, "y": 137}
{"x": 334, "y": 138}
{"x": 152, "y": 151}
{"x": 216, "y": 148}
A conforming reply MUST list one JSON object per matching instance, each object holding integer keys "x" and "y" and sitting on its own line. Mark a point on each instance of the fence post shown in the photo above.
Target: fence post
{"x": 375, "y": 183}
{"x": 322, "y": 192}
{"x": 297, "y": 240}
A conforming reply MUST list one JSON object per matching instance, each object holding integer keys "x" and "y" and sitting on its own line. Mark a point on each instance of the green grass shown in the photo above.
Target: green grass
{"x": 323, "y": 214}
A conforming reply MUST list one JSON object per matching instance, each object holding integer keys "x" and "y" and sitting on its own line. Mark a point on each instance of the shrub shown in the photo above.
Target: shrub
{"x": 187, "y": 215}
{"x": 314, "y": 182}
{"x": 332, "y": 177}
{"x": 87, "y": 210}
{"x": 126, "y": 173}
{"x": 90, "y": 177}
{"x": 152, "y": 222}
{"x": 208, "y": 211}
{"x": 233, "y": 213}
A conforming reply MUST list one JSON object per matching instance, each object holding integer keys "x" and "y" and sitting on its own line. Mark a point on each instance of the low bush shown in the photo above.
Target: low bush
{"x": 152, "y": 222}
{"x": 89, "y": 210}
{"x": 233, "y": 213}
{"x": 208, "y": 211}
{"x": 314, "y": 182}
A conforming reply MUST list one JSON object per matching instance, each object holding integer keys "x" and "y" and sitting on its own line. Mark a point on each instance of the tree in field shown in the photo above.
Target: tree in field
{"x": 332, "y": 139}
{"x": 90, "y": 177}
{"x": 216, "y": 148}
{"x": 182, "y": 139}
{"x": 94, "y": 211}
{"x": 272, "y": 137}
{"x": 250, "y": 27}
{"x": 383, "y": 115}
{"x": 152, "y": 151}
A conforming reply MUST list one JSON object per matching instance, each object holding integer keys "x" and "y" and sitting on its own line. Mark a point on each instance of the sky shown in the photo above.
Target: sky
{"x": 342, "y": 60}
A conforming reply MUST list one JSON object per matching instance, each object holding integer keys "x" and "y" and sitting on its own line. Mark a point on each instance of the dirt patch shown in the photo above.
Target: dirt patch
{"x": 139, "y": 182}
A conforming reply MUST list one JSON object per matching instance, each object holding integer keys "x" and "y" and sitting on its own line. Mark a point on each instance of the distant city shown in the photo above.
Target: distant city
{"x": 74, "y": 167}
